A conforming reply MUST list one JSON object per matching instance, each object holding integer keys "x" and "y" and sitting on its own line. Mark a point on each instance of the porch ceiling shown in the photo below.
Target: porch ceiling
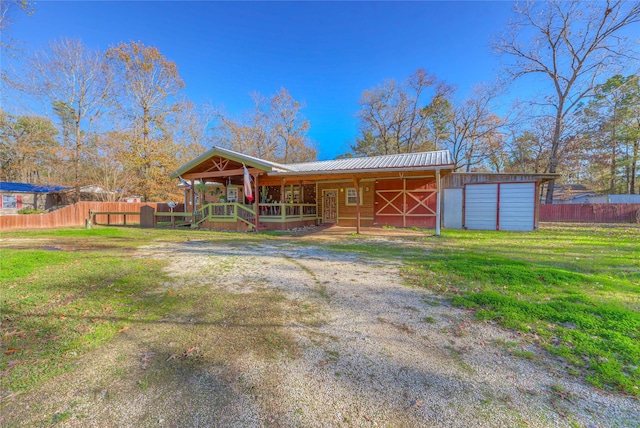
{"x": 275, "y": 179}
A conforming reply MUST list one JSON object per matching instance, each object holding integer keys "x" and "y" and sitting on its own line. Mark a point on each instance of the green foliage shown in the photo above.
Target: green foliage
{"x": 30, "y": 211}
{"x": 27, "y": 144}
{"x": 612, "y": 133}
{"x": 61, "y": 304}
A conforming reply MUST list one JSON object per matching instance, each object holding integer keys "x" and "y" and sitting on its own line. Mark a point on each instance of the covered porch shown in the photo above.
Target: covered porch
{"x": 217, "y": 196}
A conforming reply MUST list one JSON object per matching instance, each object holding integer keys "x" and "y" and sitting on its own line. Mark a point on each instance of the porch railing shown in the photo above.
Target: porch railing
{"x": 282, "y": 213}
{"x": 232, "y": 212}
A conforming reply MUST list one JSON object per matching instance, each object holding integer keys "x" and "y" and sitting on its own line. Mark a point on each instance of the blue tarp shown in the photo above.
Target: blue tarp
{"x": 30, "y": 188}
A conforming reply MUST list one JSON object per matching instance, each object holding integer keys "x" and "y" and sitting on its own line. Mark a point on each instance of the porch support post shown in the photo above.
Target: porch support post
{"x": 282, "y": 200}
{"x": 301, "y": 195}
{"x": 185, "y": 208}
{"x": 193, "y": 200}
{"x": 256, "y": 204}
{"x": 438, "y": 202}
{"x": 356, "y": 183}
{"x": 301, "y": 198}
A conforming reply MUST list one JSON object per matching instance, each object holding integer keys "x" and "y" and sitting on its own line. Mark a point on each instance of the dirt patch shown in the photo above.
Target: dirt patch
{"x": 279, "y": 334}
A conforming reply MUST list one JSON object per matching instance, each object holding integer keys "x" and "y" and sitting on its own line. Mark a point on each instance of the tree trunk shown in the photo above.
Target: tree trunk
{"x": 614, "y": 155}
{"x": 634, "y": 167}
{"x": 77, "y": 159}
{"x": 553, "y": 158}
{"x": 146, "y": 161}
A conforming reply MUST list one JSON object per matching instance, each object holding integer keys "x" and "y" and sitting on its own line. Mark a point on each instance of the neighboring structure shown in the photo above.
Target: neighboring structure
{"x": 393, "y": 190}
{"x": 92, "y": 192}
{"x": 579, "y": 194}
{"x": 492, "y": 201}
{"x": 571, "y": 194}
{"x": 16, "y": 196}
{"x": 613, "y": 199}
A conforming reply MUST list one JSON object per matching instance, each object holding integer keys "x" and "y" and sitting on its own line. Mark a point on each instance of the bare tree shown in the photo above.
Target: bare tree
{"x": 474, "y": 132}
{"x": 71, "y": 77}
{"x": 107, "y": 166}
{"x": 571, "y": 44}
{"x": 394, "y": 117}
{"x": 274, "y": 129}
{"x": 7, "y": 10}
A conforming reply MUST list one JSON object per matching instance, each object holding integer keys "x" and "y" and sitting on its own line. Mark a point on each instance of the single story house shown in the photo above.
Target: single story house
{"x": 492, "y": 201}
{"x": 16, "y": 196}
{"x": 400, "y": 190}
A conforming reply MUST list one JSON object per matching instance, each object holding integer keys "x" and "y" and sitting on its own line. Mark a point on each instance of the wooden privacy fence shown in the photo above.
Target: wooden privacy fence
{"x": 75, "y": 215}
{"x": 591, "y": 213}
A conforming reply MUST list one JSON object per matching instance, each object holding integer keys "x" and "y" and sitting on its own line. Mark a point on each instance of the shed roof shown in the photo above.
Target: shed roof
{"x": 7, "y": 186}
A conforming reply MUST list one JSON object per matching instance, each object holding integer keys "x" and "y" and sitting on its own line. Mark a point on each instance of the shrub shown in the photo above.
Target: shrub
{"x": 30, "y": 211}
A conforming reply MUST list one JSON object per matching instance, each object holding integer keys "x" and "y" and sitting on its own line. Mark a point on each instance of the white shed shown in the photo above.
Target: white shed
{"x": 492, "y": 201}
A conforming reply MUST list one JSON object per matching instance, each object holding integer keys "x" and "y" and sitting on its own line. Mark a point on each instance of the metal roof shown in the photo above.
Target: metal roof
{"x": 373, "y": 164}
{"x": 406, "y": 160}
{"x": 229, "y": 154}
{"x": 30, "y": 188}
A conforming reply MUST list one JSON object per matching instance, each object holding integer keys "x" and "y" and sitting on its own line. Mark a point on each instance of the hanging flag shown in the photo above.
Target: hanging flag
{"x": 248, "y": 193}
{"x": 185, "y": 183}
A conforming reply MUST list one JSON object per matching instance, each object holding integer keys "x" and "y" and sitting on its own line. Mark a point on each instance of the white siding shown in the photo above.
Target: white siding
{"x": 452, "y": 208}
{"x": 517, "y": 206}
{"x": 481, "y": 206}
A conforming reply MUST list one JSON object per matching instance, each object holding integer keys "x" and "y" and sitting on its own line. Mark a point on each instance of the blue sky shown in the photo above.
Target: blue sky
{"x": 323, "y": 53}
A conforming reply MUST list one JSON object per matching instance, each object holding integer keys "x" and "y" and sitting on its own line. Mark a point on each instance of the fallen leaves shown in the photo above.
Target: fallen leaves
{"x": 10, "y": 365}
{"x": 146, "y": 357}
{"x": 192, "y": 352}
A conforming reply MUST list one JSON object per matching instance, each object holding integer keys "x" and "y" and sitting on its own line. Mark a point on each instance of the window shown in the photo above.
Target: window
{"x": 292, "y": 199}
{"x": 351, "y": 196}
{"x": 9, "y": 202}
{"x": 232, "y": 194}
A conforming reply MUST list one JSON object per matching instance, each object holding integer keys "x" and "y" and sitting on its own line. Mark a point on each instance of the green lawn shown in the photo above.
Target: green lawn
{"x": 65, "y": 292}
{"x": 575, "y": 290}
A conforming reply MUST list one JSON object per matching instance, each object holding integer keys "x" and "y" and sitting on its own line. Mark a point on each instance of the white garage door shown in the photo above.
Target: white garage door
{"x": 452, "y": 213}
{"x": 514, "y": 209}
{"x": 517, "y": 206}
{"x": 481, "y": 206}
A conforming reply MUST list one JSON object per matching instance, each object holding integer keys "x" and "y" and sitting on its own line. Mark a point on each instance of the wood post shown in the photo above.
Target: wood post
{"x": 256, "y": 194}
{"x": 438, "y": 202}
{"x": 193, "y": 200}
{"x": 404, "y": 202}
{"x": 282, "y": 200}
{"x": 356, "y": 183}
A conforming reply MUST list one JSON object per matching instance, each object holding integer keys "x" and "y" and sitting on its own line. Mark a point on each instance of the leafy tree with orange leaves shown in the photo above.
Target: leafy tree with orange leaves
{"x": 146, "y": 84}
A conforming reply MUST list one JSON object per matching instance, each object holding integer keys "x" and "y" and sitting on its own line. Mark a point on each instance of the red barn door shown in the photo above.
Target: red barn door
{"x": 405, "y": 203}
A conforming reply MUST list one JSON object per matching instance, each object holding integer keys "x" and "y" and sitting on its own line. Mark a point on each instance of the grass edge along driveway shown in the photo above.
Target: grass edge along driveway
{"x": 573, "y": 290}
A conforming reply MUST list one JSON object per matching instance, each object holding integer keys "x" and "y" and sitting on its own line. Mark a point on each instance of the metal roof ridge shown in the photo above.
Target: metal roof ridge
{"x": 362, "y": 158}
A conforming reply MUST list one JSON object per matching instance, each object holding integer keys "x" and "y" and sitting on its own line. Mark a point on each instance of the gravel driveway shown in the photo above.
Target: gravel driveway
{"x": 371, "y": 352}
